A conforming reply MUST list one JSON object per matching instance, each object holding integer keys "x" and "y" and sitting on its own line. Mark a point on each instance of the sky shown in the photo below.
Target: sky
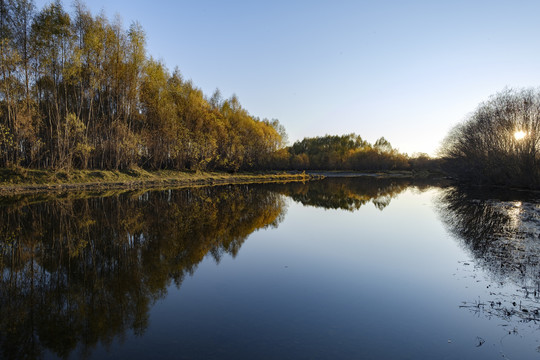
{"x": 405, "y": 70}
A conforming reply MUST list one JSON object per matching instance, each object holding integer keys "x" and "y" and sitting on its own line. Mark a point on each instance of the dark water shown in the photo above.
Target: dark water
{"x": 339, "y": 268}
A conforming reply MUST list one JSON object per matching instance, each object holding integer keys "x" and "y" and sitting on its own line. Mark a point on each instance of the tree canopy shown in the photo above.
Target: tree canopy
{"x": 499, "y": 142}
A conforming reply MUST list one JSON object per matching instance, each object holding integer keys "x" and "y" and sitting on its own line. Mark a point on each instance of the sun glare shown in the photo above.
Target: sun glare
{"x": 520, "y": 134}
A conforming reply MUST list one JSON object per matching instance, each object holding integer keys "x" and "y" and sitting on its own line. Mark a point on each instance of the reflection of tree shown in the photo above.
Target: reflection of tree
{"x": 79, "y": 272}
{"x": 502, "y": 235}
{"x": 347, "y": 193}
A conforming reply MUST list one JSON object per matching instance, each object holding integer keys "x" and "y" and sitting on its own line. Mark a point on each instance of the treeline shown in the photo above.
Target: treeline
{"x": 499, "y": 143}
{"x": 80, "y": 91}
{"x": 349, "y": 152}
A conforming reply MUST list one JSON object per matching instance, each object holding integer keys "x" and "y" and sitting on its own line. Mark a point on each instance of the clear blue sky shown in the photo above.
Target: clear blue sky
{"x": 405, "y": 70}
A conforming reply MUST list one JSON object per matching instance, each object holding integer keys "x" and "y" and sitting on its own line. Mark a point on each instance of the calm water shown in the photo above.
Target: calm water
{"x": 339, "y": 268}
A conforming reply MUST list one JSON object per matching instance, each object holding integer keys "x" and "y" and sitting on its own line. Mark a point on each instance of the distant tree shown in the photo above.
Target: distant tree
{"x": 382, "y": 145}
{"x": 345, "y": 152}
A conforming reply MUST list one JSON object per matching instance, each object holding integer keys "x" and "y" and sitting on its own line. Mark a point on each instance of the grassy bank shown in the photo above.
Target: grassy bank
{"x": 19, "y": 180}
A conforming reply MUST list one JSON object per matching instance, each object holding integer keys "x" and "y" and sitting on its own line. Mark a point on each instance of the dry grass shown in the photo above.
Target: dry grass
{"x": 20, "y": 180}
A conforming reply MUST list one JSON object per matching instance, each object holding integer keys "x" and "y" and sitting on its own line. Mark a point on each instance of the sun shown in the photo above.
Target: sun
{"x": 520, "y": 134}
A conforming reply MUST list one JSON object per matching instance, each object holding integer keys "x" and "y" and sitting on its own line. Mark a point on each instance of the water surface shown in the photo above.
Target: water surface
{"x": 339, "y": 268}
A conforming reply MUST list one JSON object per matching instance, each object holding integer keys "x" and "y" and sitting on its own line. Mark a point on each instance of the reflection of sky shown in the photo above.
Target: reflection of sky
{"x": 337, "y": 284}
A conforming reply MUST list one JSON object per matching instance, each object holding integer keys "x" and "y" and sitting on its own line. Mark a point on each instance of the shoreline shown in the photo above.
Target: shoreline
{"x": 36, "y": 181}
{"x": 376, "y": 174}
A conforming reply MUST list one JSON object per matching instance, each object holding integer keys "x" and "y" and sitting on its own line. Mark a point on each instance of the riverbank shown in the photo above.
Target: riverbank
{"x": 378, "y": 174}
{"x": 19, "y": 181}
{"x": 387, "y": 174}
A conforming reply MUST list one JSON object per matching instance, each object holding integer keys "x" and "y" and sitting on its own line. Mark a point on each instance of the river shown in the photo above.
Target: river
{"x": 339, "y": 268}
